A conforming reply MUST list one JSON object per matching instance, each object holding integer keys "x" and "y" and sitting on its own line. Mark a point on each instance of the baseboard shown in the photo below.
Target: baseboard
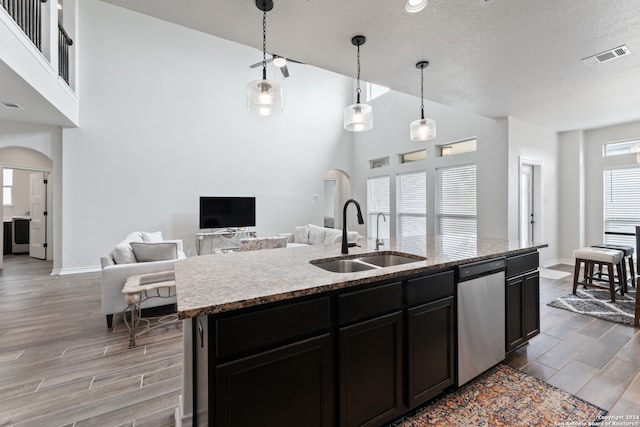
{"x": 79, "y": 270}
{"x": 557, "y": 261}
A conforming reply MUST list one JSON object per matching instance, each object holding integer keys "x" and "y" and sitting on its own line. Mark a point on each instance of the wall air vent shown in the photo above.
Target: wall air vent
{"x": 11, "y": 105}
{"x": 608, "y": 55}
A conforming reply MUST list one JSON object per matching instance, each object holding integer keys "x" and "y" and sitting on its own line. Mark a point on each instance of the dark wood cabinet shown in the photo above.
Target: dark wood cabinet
{"x": 289, "y": 386}
{"x": 523, "y": 309}
{"x": 430, "y": 349}
{"x": 370, "y": 371}
{"x": 353, "y": 357}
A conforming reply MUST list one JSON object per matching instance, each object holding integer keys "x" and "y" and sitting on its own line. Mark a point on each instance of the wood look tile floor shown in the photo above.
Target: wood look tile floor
{"x": 61, "y": 366}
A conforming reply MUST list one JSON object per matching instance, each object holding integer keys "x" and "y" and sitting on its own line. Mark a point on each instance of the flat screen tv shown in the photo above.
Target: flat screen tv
{"x": 227, "y": 212}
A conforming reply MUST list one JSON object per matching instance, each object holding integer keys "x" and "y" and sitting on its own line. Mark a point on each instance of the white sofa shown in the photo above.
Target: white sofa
{"x": 311, "y": 234}
{"x": 153, "y": 254}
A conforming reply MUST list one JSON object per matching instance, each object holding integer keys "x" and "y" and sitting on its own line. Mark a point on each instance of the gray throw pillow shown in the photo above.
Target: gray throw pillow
{"x": 146, "y": 252}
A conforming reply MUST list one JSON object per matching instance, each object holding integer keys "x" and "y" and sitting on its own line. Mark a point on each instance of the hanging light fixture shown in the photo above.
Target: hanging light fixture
{"x": 422, "y": 129}
{"x": 264, "y": 97}
{"x": 358, "y": 117}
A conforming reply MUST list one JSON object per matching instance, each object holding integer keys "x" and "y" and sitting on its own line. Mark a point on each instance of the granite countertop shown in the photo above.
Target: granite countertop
{"x": 210, "y": 284}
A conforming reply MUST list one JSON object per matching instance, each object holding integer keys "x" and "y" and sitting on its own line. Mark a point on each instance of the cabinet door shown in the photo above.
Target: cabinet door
{"x": 370, "y": 371}
{"x": 514, "y": 315}
{"x": 523, "y": 309}
{"x": 430, "y": 346}
{"x": 531, "y": 305}
{"x": 289, "y": 386}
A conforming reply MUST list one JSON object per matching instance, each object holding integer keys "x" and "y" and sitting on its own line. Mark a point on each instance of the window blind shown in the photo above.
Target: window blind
{"x": 456, "y": 201}
{"x": 378, "y": 201}
{"x": 412, "y": 204}
{"x": 621, "y": 205}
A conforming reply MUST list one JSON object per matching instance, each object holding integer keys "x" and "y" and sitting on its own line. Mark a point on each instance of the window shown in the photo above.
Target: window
{"x": 378, "y": 163}
{"x": 456, "y": 199}
{"x": 412, "y": 204}
{"x": 466, "y": 146}
{"x": 624, "y": 147}
{"x": 378, "y": 201}
{"x": 621, "y": 205}
{"x": 7, "y": 184}
{"x": 413, "y": 156}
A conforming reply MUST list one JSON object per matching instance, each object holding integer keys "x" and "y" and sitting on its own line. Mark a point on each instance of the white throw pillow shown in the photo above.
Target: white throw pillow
{"x": 316, "y": 234}
{"x": 155, "y": 237}
{"x": 301, "y": 234}
{"x": 333, "y": 236}
{"x": 123, "y": 253}
{"x": 352, "y": 236}
{"x": 136, "y": 236}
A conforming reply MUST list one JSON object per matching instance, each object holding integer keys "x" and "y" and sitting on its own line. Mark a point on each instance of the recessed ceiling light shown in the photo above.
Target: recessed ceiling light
{"x": 414, "y": 6}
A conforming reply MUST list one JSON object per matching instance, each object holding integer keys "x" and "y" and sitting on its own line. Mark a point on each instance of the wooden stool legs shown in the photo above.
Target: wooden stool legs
{"x": 589, "y": 277}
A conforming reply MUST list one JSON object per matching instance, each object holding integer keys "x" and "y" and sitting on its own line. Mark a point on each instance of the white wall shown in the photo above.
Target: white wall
{"x": 37, "y": 147}
{"x": 540, "y": 147}
{"x": 572, "y": 193}
{"x": 164, "y": 121}
{"x": 393, "y": 112}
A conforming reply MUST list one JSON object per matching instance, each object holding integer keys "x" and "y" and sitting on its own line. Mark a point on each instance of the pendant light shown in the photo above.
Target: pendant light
{"x": 264, "y": 97}
{"x": 422, "y": 129}
{"x": 358, "y": 117}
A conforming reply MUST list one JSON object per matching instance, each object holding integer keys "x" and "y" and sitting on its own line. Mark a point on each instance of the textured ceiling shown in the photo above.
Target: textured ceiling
{"x": 496, "y": 58}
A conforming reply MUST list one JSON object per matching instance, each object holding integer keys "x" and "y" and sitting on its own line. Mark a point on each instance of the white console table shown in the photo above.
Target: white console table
{"x": 221, "y": 241}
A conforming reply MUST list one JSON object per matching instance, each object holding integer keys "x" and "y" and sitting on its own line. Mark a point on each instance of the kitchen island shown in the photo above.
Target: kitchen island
{"x": 272, "y": 339}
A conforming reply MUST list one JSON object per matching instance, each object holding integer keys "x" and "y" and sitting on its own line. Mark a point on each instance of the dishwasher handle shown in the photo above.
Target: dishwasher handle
{"x": 481, "y": 268}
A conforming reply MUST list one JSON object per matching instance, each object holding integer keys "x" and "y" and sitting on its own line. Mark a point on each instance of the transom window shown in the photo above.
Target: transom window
{"x": 623, "y": 147}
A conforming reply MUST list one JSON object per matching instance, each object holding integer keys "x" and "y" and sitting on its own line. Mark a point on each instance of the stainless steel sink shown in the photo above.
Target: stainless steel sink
{"x": 365, "y": 262}
{"x": 344, "y": 265}
{"x": 388, "y": 260}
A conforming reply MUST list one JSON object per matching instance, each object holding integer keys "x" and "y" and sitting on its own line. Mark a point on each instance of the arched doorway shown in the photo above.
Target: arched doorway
{"x": 28, "y": 174}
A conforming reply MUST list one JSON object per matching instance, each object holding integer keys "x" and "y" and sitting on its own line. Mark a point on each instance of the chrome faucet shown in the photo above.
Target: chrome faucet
{"x": 345, "y": 246}
{"x": 379, "y": 242}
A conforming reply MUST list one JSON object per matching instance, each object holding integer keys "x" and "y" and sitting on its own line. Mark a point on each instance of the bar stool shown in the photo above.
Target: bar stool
{"x": 628, "y": 255}
{"x": 591, "y": 256}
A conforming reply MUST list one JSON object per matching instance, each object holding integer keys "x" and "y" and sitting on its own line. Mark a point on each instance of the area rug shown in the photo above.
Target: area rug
{"x": 505, "y": 396}
{"x": 597, "y": 303}
{"x": 549, "y": 273}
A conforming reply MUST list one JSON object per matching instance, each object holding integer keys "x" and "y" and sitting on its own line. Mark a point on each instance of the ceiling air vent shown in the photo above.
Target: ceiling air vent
{"x": 11, "y": 105}
{"x": 608, "y": 55}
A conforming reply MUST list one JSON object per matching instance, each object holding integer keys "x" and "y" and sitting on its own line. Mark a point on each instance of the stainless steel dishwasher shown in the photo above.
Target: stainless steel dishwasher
{"x": 481, "y": 317}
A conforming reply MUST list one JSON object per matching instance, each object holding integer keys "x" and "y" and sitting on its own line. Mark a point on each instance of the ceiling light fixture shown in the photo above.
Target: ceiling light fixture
{"x": 413, "y": 6}
{"x": 264, "y": 97}
{"x": 358, "y": 117}
{"x": 279, "y": 61}
{"x": 422, "y": 129}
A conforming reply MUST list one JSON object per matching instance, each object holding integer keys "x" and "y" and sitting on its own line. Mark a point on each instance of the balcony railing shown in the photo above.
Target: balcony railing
{"x": 64, "y": 41}
{"x": 28, "y": 15}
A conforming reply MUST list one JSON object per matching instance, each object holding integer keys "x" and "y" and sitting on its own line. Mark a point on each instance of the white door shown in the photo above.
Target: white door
{"x": 38, "y": 208}
{"x": 527, "y": 220}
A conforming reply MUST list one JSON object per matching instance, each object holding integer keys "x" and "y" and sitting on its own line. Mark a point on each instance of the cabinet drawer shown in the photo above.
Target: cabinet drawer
{"x": 262, "y": 328}
{"x": 519, "y": 264}
{"x": 369, "y": 302}
{"x": 430, "y": 288}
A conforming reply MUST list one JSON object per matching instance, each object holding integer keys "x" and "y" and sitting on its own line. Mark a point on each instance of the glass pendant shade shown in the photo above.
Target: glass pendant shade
{"x": 264, "y": 97}
{"x": 422, "y": 130}
{"x": 358, "y": 117}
